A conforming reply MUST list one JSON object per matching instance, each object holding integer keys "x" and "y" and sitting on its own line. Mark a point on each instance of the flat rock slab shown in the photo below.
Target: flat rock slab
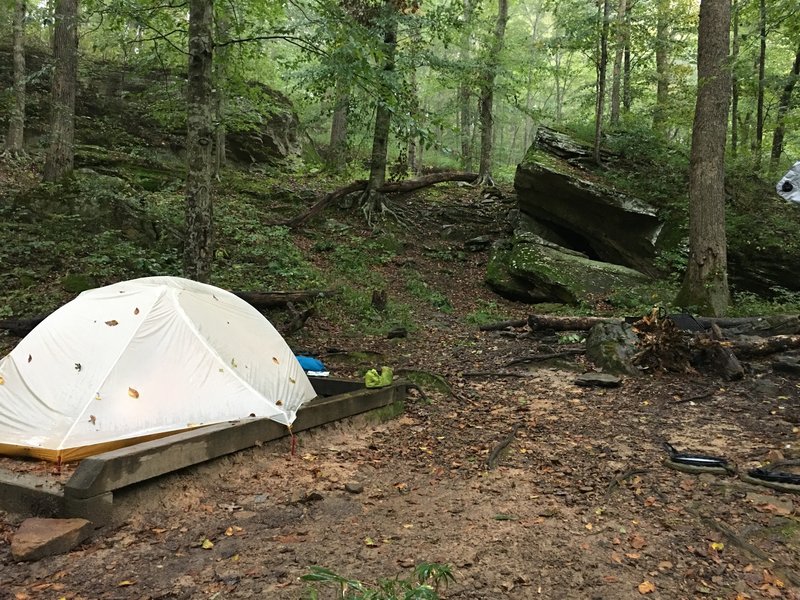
{"x": 37, "y": 538}
{"x": 598, "y": 380}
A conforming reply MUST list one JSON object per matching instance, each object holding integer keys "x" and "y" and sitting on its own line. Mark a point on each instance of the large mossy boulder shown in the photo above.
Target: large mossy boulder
{"x": 122, "y": 108}
{"x": 530, "y": 269}
{"x": 612, "y": 346}
{"x": 580, "y": 208}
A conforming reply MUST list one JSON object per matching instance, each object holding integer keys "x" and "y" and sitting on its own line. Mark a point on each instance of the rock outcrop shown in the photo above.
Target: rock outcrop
{"x": 590, "y": 216}
{"x": 531, "y": 269}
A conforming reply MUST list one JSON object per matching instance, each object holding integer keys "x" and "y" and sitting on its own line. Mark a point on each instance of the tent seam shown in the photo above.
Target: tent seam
{"x": 188, "y": 322}
{"x": 108, "y": 373}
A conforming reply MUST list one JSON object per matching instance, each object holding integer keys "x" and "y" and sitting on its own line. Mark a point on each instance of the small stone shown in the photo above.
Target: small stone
{"x": 598, "y": 380}
{"x": 406, "y": 563}
{"x": 37, "y": 538}
{"x": 312, "y": 497}
{"x": 354, "y": 487}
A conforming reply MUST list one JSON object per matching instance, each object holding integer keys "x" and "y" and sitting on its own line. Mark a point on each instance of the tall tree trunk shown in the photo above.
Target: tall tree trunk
{"x": 662, "y": 65}
{"x": 619, "y": 51}
{"x": 627, "y": 93}
{"x": 705, "y": 284}
{"x": 220, "y": 71}
{"x": 198, "y": 253}
{"x": 465, "y": 110}
{"x": 735, "y": 81}
{"x": 372, "y": 201}
{"x": 60, "y": 157}
{"x": 602, "y": 64}
{"x": 487, "y": 93}
{"x": 783, "y": 109}
{"x": 762, "y": 59}
{"x": 337, "y": 150}
{"x": 15, "y": 141}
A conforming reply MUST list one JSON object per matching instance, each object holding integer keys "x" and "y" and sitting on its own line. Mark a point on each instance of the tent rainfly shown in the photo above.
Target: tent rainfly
{"x": 139, "y": 360}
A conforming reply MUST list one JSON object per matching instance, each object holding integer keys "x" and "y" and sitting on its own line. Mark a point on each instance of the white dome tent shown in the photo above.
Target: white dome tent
{"x": 142, "y": 359}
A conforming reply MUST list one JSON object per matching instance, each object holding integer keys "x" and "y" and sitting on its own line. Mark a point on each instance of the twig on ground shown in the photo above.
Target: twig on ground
{"x": 622, "y": 477}
{"x": 491, "y": 462}
{"x": 551, "y": 355}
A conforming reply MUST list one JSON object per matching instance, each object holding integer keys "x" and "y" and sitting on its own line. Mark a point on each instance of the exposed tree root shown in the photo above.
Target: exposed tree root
{"x": 409, "y": 185}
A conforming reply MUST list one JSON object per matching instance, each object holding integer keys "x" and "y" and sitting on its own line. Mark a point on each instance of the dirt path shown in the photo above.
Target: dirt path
{"x": 579, "y": 504}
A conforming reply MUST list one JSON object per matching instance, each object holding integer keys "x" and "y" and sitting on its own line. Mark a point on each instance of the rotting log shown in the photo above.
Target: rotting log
{"x": 501, "y": 325}
{"x": 20, "y": 327}
{"x": 395, "y": 187}
{"x": 559, "y": 323}
{"x": 751, "y": 347}
{"x": 276, "y": 299}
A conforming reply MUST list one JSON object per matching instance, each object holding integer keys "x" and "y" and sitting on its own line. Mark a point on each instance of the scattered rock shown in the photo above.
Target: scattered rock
{"x": 787, "y": 364}
{"x": 312, "y": 497}
{"x": 397, "y": 332}
{"x": 598, "y": 380}
{"x": 354, "y": 487}
{"x": 37, "y": 538}
{"x": 612, "y": 346}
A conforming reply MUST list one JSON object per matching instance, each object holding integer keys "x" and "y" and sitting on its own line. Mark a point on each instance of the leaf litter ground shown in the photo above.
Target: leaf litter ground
{"x": 579, "y": 504}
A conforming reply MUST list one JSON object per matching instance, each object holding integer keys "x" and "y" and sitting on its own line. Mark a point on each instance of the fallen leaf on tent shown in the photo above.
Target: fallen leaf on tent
{"x": 92, "y": 419}
{"x": 112, "y": 322}
{"x": 292, "y": 380}
{"x": 133, "y": 393}
{"x": 2, "y": 381}
{"x": 278, "y": 402}
{"x": 30, "y": 358}
{"x": 136, "y": 311}
{"x": 207, "y": 544}
{"x": 233, "y": 363}
{"x": 126, "y": 583}
{"x": 647, "y": 587}
{"x": 275, "y": 360}
{"x": 368, "y": 541}
{"x": 97, "y": 396}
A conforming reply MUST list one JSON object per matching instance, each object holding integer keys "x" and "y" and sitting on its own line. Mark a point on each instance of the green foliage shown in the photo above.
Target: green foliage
{"x": 422, "y": 290}
{"x": 782, "y": 302}
{"x": 428, "y": 578}
{"x": 487, "y": 312}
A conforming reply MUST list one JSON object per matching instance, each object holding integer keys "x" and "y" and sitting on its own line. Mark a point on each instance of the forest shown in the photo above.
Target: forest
{"x": 563, "y": 224}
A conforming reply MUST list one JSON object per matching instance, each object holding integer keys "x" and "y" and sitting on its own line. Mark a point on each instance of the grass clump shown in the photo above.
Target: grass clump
{"x": 424, "y": 584}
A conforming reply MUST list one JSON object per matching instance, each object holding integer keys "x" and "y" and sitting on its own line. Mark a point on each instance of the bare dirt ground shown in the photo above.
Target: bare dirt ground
{"x": 579, "y": 505}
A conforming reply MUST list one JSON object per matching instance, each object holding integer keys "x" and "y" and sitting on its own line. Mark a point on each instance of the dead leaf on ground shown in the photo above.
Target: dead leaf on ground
{"x": 637, "y": 542}
{"x": 647, "y": 587}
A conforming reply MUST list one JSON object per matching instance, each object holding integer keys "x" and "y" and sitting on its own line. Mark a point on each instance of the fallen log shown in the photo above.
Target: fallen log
{"x": 559, "y": 323}
{"x": 501, "y": 325}
{"x": 278, "y": 299}
{"x": 751, "y": 347}
{"x": 409, "y": 185}
{"x": 20, "y": 327}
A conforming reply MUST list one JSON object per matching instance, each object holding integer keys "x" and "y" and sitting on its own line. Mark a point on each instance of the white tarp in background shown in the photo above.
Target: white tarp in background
{"x": 143, "y": 358}
{"x": 789, "y": 186}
